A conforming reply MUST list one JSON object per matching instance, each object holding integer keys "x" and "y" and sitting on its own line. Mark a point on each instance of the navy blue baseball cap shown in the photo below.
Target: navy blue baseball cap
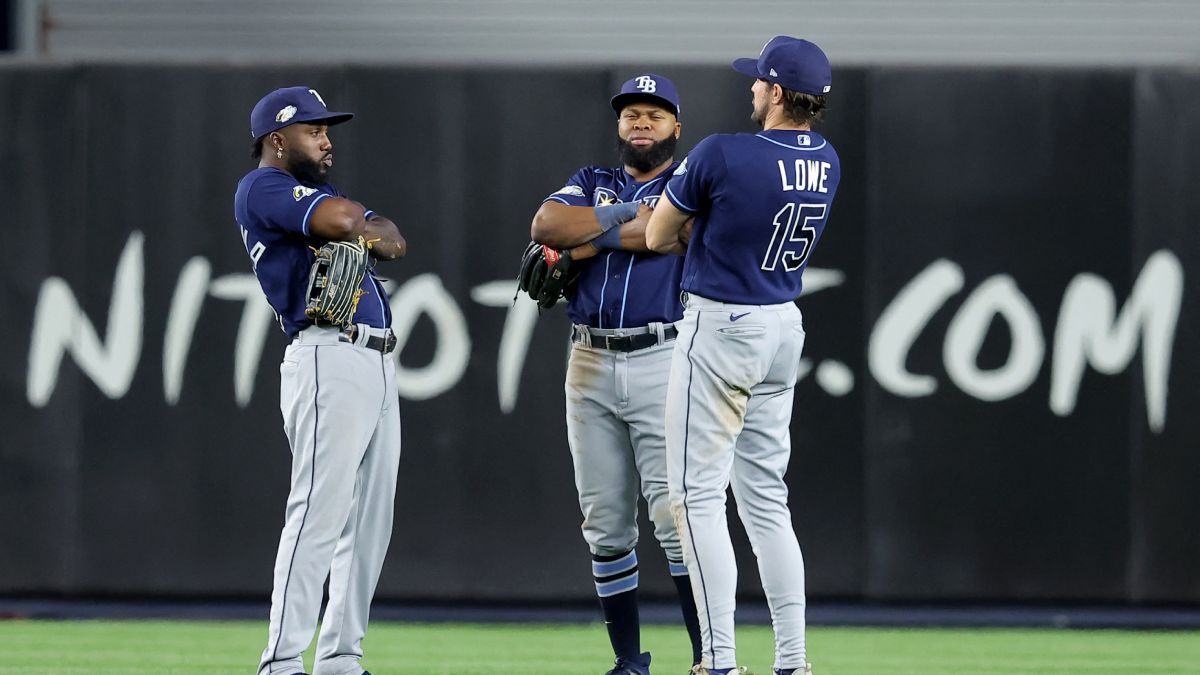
{"x": 290, "y": 105}
{"x": 648, "y": 86}
{"x": 791, "y": 63}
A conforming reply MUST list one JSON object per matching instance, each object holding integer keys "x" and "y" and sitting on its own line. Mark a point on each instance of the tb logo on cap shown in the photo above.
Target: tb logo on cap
{"x": 646, "y": 84}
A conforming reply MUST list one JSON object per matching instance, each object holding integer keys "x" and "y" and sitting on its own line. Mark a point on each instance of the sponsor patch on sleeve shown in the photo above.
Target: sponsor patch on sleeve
{"x": 300, "y": 192}
{"x": 682, "y": 168}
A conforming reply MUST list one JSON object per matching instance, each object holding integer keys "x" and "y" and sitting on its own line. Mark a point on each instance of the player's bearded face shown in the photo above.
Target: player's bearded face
{"x": 759, "y": 114}
{"x": 645, "y": 158}
{"x": 309, "y": 152}
{"x": 305, "y": 168}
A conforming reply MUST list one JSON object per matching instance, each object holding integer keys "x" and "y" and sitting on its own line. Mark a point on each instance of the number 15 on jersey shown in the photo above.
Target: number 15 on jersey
{"x": 794, "y": 236}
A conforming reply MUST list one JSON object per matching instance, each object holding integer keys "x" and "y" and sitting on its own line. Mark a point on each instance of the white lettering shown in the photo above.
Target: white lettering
{"x": 181, "y": 323}
{"x": 835, "y": 377}
{"x": 60, "y": 325}
{"x": 514, "y": 341}
{"x": 998, "y": 296}
{"x": 257, "y": 318}
{"x": 820, "y": 278}
{"x": 424, "y": 293}
{"x": 257, "y": 250}
{"x": 809, "y": 175}
{"x": 902, "y": 322}
{"x": 783, "y": 177}
{"x": 646, "y": 84}
{"x": 1088, "y": 333}
{"x": 813, "y": 174}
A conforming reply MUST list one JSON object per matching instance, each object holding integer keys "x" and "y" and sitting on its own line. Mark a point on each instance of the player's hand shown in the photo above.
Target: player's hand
{"x": 546, "y": 274}
{"x": 685, "y": 232}
{"x": 644, "y": 213}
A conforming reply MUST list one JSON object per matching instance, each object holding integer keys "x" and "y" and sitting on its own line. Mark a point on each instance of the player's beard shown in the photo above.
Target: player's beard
{"x": 645, "y": 159}
{"x": 759, "y": 114}
{"x": 305, "y": 170}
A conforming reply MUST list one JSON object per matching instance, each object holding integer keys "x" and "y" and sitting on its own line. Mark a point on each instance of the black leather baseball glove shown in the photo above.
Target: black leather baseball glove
{"x": 546, "y": 274}
{"x": 335, "y": 281}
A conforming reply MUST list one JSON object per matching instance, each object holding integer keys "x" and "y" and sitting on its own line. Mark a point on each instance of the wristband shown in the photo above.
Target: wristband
{"x": 368, "y": 214}
{"x": 610, "y": 239}
{"x": 614, "y": 214}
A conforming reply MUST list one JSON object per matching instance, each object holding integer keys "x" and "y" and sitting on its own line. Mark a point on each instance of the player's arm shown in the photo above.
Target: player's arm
{"x": 560, "y": 226}
{"x": 342, "y": 219}
{"x": 629, "y": 236}
{"x": 389, "y": 243}
{"x": 337, "y": 219}
{"x": 665, "y": 233}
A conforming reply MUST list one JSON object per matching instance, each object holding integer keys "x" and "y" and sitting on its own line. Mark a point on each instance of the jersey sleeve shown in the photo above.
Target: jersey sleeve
{"x": 577, "y": 191}
{"x": 280, "y": 202}
{"x": 690, "y": 187}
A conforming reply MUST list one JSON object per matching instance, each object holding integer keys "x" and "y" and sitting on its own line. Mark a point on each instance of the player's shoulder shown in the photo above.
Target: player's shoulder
{"x": 257, "y": 184}
{"x": 712, "y": 151}
{"x": 716, "y": 145}
{"x": 596, "y": 175}
{"x": 724, "y": 139}
{"x": 243, "y": 199}
{"x": 265, "y": 174}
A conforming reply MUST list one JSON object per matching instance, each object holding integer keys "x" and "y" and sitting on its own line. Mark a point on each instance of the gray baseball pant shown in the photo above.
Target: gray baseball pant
{"x": 728, "y": 416}
{"x": 615, "y": 411}
{"x": 342, "y": 418}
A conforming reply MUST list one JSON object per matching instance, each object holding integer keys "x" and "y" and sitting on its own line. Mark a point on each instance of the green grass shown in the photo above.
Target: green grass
{"x": 179, "y": 647}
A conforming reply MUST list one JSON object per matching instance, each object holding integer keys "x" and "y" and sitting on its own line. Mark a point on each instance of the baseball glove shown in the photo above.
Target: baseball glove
{"x": 546, "y": 274}
{"x": 335, "y": 281}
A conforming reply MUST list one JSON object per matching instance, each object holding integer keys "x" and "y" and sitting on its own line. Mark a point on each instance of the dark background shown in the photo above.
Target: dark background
{"x": 7, "y": 22}
{"x": 1035, "y": 175}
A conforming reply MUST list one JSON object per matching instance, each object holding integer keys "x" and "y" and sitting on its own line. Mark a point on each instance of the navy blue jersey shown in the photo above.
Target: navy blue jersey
{"x": 622, "y": 289}
{"x": 761, "y": 202}
{"x": 273, "y": 210}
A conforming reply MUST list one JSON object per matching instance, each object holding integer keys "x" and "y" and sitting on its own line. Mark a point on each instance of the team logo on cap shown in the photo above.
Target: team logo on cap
{"x": 285, "y": 114}
{"x": 646, "y": 84}
{"x": 300, "y": 192}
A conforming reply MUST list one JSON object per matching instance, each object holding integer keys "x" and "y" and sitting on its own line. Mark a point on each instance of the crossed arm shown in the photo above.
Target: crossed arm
{"x": 342, "y": 219}
{"x": 669, "y": 229}
{"x": 572, "y": 228}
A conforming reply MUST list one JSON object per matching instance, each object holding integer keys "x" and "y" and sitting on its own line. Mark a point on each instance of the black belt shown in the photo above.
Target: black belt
{"x": 381, "y": 343}
{"x": 625, "y": 343}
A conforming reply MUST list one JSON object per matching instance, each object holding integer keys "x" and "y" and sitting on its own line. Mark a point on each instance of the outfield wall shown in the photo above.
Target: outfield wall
{"x": 999, "y": 390}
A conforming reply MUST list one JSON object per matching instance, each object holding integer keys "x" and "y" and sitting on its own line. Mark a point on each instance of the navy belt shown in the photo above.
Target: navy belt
{"x": 606, "y": 339}
{"x": 380, "y": 339}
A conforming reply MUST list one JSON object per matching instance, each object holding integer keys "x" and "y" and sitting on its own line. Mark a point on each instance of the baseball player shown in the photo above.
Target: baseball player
{"x": 623, "y": 305}
{"x": 760, "y": 203}
{"x": 337, "y": 392}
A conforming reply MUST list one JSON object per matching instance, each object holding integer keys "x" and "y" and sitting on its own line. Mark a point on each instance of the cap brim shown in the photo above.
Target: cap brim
{"x": 330, "y": 118}
{"x": 748, "y": 67}
{"x": 621, "y": 100}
